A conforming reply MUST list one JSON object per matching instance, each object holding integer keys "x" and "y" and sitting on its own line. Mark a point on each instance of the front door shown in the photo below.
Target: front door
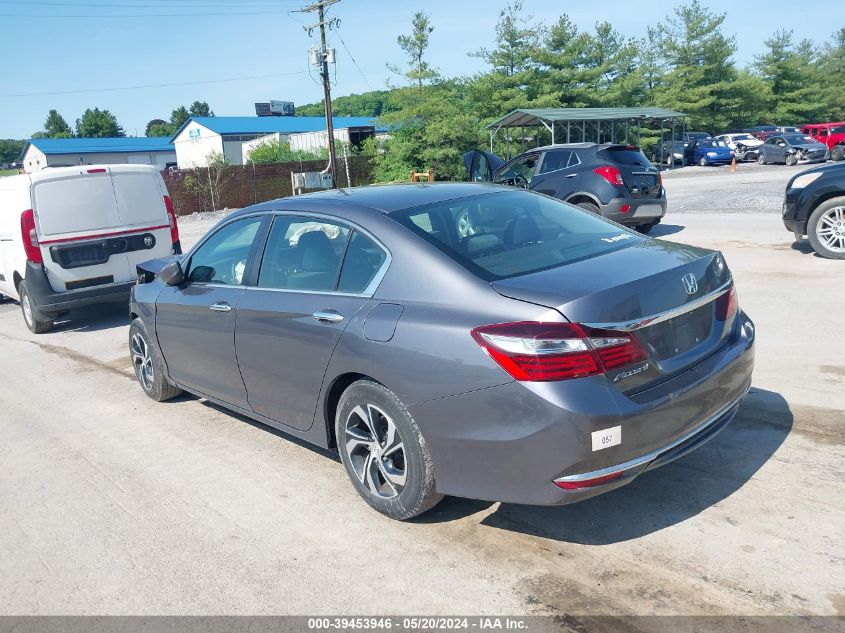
{"x": 195, "y": 322}
{"x": 315, "y": 276}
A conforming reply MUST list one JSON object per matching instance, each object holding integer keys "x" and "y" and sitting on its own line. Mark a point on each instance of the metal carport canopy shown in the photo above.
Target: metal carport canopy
{"x": 602, "y": 119}
{"x": 544, "y": 116}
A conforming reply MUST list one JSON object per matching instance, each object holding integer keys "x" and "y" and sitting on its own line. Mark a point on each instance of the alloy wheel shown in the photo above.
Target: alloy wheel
{"x": 376, "y": 452}
{"x": 142, "y": 361}
{"x": 830, "y": 229}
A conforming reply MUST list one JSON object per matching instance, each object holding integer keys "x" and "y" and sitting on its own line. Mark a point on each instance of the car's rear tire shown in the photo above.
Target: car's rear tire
{"x": 35, "y": 320}
{"x": 791, "y": 160}
{"x": 148, "y": 364}
{"x": 384, "y": 453}
{"x": 837, "y": 152}
{"x": 589, "y": 206}
{"x": 826, "y": 228}
{"x": 645, "y": 228}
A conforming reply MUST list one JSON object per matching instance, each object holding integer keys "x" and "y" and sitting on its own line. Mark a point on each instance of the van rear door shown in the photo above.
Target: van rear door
{"x": 77, "y": 220}
{"x": 140, "y": 194}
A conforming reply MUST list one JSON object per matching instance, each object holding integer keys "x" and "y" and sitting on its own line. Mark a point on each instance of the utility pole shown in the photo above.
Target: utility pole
{"x": 323, "y": 60}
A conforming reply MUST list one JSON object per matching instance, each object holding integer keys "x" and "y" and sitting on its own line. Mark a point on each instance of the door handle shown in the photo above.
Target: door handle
{"x": 570, "y": 175}
{"x": 328, "y": 316}
{"x": 220, "y": 307}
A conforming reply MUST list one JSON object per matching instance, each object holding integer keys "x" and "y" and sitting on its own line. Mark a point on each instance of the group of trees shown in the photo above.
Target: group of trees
{"x": 160, "y": 127}
{"x": 96, "y": 123}
{"x": 685, "y": 63}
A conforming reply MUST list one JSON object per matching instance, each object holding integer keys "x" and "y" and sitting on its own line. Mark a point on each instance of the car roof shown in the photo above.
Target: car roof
{"x": 383, "y": 198}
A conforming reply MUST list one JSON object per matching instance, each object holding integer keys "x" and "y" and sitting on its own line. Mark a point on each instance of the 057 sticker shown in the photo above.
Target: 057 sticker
{"x": 607, "y": 438}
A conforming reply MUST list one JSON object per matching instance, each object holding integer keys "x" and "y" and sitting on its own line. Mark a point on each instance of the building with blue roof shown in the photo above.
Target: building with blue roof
{"x": 39, "y": 153}
{"x": 201, "y": 137}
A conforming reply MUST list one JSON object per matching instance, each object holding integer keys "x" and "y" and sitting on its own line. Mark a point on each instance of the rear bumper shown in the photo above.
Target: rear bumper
{"x": 513, "y": 442}
{"x": 641, "y": 210}
{"x": 48, "y": 301}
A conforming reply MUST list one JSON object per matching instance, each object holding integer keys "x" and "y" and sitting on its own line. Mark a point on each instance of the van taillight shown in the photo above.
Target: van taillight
{"x": 171, "y": 218}
{"x": 30, "y": 237}
{"x": 533, "y": 351}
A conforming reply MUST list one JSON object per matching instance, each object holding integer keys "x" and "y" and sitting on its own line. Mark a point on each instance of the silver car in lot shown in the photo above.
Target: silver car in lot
{"x": 548, "y": 357}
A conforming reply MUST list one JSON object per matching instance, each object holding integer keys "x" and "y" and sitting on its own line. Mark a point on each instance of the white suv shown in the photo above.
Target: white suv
{"x": 73, "y": 236}
{"x": 745, "y": 146}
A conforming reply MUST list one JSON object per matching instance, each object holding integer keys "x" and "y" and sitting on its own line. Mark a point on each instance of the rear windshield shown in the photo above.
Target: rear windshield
{"x": 507, "y": 234}
{"x": 622, "y": 155}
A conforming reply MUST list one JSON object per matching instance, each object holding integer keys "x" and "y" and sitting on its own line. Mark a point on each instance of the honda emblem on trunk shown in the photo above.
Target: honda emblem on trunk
{"x": 690, "y": 283}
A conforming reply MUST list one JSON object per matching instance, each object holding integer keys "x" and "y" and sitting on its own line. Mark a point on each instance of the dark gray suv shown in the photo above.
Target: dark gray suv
{"x": 616, "y": 181}
{"x": 552, "y": 357}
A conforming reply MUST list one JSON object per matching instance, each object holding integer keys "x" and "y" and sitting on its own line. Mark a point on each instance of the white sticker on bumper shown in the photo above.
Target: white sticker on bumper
{"x": 607, "y": 438}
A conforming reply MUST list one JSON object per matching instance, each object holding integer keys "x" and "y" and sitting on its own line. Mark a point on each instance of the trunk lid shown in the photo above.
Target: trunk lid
{"x": 626, "y": 289}
{"x": 641, "y": 178}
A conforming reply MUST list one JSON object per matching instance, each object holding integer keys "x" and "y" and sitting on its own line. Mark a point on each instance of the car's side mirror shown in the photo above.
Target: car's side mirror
{"x": 172, "y": 274}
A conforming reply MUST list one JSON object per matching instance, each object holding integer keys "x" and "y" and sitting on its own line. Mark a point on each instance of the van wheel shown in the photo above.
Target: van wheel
{"x": 37, "y": 322}
{"x": 838, "y": 152}
{"x": 384, "y": 453}
{"x": 148, "y": 366}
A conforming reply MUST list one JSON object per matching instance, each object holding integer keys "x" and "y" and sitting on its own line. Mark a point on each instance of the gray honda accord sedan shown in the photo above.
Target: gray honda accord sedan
{"x": 550, "y": 356}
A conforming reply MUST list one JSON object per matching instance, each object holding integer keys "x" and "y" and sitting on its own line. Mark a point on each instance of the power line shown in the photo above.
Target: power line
{"x": 140, "y": 87}
{"x": 348, "y": 52}
{"x": 123, "y": 16}
{"x": 136, "y": 5}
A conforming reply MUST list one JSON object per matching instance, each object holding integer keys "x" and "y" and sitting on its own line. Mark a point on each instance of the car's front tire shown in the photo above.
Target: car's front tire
{"x": 826, "y": 228}
{"x": 384, "y": 453}
{"x": 35, "y": 320}
{"x": 791, "y": 160}
{"x": 148, "y": 364}
{"x": 761, "y": 160}
{"x": 703, "y": 162}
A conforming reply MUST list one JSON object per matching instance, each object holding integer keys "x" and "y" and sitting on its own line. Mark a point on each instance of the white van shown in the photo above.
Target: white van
{"x": 72, "y": 236}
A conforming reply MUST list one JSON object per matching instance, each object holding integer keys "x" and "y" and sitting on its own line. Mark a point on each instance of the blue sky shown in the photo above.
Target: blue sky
{"x": 142, "y": 47}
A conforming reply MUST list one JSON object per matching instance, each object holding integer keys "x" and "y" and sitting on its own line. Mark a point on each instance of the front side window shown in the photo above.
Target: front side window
{"x": 516, "y": 233}
{"x": 519, "y": 172}
{"x": 222, "y": 258}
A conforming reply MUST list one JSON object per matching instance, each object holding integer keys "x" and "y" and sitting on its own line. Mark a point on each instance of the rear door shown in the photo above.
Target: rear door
{"x": 558, "y": 174}
{"x": 140, "y": 194}
{"x": 315, "y": 276}
{"x": 80, "y": 229}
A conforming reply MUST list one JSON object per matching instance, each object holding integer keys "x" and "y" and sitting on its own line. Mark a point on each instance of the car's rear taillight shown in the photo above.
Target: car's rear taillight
{"x": 171, "y": 218}
{"x": 30, "y": 237}
{"x": 610, "y": 174}
{"x": 541, "y": 352}
{"x": 726, "y": 305}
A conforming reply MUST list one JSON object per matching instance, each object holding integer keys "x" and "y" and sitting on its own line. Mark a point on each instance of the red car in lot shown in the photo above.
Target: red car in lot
{"x": 831, "y": 134}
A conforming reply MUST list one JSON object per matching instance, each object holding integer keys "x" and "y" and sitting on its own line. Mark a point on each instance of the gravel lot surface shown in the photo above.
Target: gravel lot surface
{"x": 114, "y": 504}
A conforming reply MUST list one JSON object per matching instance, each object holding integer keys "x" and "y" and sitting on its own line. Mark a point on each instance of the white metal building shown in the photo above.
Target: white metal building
{"x": 39, "y": 153}
{"x": 201, "y": 137}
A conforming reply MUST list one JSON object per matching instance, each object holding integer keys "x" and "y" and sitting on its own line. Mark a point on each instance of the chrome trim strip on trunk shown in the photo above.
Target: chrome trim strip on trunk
{"x": 636, "y": 324}
{"x": 648, "y": 457}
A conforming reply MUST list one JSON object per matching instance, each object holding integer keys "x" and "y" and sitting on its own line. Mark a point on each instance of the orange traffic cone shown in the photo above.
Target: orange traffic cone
{"x": 733, "y": 164}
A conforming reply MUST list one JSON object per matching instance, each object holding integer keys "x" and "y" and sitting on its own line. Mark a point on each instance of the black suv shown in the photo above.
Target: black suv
{"x": 814, "y": 205}
{"x": 616, "y": 181}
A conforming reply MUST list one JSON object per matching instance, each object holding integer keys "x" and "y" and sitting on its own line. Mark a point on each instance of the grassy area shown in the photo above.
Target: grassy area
{"x": 8, "y": 172}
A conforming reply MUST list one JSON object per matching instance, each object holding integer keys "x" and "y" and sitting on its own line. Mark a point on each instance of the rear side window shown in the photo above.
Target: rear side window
{"x": 364, "y": 258}
{"x": 514, "y": 233}
{"x": 555, "y": 160}
{"x": 839, "y": 129}
{"x": 622, "y": 155}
